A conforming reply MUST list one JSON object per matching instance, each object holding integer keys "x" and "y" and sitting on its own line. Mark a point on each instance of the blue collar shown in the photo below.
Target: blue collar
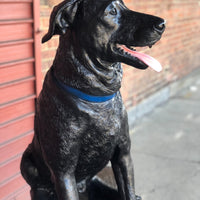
{"x": 82, "y": 95}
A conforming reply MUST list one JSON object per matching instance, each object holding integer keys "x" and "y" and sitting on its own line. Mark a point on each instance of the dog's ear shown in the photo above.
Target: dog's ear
{"x": 62, "y": 18}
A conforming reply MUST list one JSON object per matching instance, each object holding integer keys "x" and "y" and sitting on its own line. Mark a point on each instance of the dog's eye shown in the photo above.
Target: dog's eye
{"x": 113, "y": 11}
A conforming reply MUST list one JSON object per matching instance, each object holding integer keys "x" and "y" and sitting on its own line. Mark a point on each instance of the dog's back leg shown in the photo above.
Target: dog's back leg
{"x": 28, "y": 168}
{"x": 39, "y": 190}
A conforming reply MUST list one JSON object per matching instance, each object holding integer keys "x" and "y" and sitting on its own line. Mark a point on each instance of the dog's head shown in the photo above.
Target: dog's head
{"x": 108, "y": 30}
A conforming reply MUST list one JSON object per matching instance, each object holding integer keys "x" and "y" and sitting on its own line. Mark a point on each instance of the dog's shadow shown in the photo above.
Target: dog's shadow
{"x": 100, "y": 191}
{"x": 103, "y": 187}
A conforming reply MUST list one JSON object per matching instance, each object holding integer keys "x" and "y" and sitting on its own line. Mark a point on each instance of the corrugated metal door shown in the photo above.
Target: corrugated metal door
{"x": 19, "y": 84}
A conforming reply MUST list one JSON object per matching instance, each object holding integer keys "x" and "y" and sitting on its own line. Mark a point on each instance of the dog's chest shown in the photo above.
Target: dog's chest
{"x": 100, "y": 138}
{"x": 96, "y": 150}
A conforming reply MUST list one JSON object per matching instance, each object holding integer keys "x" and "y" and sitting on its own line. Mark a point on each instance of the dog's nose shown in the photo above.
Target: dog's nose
{"x": 160, "y": 27}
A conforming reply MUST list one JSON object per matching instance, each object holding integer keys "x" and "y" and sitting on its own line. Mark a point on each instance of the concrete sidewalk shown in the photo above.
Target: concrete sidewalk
{"x": 166, "y": 147}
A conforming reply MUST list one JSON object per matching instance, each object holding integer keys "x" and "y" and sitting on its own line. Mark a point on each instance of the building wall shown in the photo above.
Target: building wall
{"x": 178, "y": 51}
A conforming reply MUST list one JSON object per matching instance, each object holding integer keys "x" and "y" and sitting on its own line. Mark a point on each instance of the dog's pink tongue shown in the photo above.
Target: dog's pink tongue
{"x": 148, "y": 60}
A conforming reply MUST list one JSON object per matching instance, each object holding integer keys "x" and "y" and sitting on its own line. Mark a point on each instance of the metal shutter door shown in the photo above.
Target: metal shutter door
{"x": 19, "y": 85}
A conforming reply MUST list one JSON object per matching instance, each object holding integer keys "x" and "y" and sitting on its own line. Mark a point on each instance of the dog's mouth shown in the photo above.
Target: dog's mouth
{"x": 148, "y": 61}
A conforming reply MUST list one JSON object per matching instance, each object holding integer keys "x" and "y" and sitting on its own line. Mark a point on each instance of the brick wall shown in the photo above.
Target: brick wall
{"x": 178, "y": 51}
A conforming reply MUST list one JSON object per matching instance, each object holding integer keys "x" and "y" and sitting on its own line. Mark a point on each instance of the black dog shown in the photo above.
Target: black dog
{"x": 80, "y": 122}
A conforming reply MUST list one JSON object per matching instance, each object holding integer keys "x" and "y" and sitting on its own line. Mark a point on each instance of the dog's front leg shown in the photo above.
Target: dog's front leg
{"x": 123, "y": 169}
{"x": 119, "y": 179}
{"x": 66, "y": 187}
{"x": 126, "y": 166}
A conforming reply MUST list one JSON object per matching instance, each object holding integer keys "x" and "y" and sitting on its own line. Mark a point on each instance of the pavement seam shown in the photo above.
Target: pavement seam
{"x": 169, "y": 158}
{"x": 185, "y": 99}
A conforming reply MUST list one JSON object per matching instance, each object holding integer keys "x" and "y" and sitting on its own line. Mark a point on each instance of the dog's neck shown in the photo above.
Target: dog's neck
{"x": 74, "y": 67}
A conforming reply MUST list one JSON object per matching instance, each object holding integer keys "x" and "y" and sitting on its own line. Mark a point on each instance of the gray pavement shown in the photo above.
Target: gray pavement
{"x": 166, "y": 147}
